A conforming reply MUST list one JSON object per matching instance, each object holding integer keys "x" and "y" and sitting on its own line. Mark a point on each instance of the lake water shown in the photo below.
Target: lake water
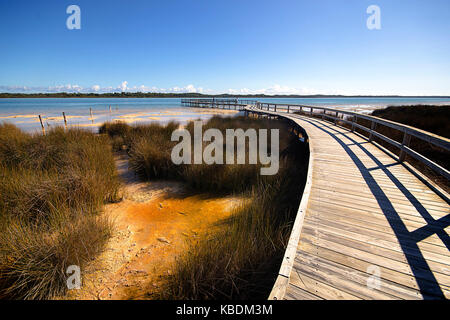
{"x": 24, "y": 112}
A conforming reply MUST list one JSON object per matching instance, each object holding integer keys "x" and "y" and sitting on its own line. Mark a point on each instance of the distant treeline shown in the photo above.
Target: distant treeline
{"x": 182, "y": 95}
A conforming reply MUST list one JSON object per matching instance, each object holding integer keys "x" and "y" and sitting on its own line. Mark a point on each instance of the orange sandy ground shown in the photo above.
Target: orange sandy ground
{"x": 149, "y": 234}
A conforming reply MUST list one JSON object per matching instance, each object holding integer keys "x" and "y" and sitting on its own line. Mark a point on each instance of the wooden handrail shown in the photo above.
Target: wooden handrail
{"x": 437, "y": 140}
{"x": 408, "y": 131}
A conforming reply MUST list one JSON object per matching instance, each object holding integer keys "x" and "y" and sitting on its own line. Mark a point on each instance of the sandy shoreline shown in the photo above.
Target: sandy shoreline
{"x": 30, "y": 122}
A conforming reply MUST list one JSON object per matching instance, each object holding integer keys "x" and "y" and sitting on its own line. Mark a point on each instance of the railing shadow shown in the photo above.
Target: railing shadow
{"x": 408, "y": 241}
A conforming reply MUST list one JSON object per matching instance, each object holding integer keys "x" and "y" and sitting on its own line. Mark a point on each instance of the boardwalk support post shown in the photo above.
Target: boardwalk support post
{"x": 405, "y": 142}
{"x": 372, "y": 129}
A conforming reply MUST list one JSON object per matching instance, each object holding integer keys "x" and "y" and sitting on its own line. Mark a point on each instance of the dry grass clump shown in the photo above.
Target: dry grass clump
{"x": 52, "y": 188}
{"x": 233, "y": 178}
{"x": 149, "y": 147}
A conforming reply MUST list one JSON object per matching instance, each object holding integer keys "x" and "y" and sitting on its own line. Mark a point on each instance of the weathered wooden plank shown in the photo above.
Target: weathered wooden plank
{"x": 429, "y": 251}
{"x": 407, "y": 203}
{"x": 295, "y": 293}
{"x": 323, "y": 290}
{"x": 406, "y": 280}
{"x": 376, "y": 255}
{"x": 338, "y": 277}
{"x": 370, "y": 223}
{"x": 348, "y": 224}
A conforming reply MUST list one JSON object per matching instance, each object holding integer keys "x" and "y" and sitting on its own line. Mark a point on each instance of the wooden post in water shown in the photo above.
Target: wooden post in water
{"x": 42, "y": 125}
{"x": 92, "y": 119}
{"x": 65, "y": 120}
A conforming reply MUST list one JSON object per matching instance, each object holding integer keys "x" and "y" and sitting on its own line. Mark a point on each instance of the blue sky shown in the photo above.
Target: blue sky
{"x": 226, "y": 46}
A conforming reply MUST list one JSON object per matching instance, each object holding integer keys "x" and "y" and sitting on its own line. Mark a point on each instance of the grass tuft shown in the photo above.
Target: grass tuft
{"x": 52, "y": 188}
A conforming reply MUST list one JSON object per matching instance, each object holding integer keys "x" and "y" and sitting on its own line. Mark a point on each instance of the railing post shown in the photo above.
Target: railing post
{"x": 372, "y": 128}
{"x": 336, "y": 118}
{"x": 311, "y": 111}
{"x": 354, "y": 119}
{"x": 405, "y": 142}
{"x": 275, "y": 107}
{"x": 288, "y": 109}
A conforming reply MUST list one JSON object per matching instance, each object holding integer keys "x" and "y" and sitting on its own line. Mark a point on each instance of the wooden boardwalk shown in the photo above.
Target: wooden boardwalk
{"x": 368, "y": 226}
{"x": 371, "y": 229}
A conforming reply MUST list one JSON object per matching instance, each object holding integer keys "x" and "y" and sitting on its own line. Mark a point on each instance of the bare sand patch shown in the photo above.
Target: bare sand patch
{"x": 155, "y": 223}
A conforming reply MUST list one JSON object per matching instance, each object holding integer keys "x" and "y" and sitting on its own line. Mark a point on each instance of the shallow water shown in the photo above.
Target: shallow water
{"x": 24, "y": 112}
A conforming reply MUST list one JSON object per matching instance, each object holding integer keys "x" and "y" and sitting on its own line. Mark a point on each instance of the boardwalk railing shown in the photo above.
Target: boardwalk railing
{"x": 223, "y": 103}
{"x": 350, "y": 118}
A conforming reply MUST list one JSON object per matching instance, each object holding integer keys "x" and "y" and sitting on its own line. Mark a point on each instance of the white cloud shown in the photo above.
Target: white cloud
{"x": 123, "y": 87}
{"x": 275, "y": 89}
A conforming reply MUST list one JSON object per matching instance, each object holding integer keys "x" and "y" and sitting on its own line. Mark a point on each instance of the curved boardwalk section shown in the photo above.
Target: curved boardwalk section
{"x": 370, "y": 228}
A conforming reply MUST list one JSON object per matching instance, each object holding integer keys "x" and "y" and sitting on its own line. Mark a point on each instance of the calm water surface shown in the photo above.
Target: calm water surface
{"x": 24, "y": 112}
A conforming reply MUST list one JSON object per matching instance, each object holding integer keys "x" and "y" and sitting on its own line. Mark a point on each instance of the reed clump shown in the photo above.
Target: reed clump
{"x": 52, "y": 188}
{"x": 150, "y": 146}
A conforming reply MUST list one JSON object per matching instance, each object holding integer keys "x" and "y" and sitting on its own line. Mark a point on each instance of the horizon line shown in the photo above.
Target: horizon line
{"x": 196, "y": 94}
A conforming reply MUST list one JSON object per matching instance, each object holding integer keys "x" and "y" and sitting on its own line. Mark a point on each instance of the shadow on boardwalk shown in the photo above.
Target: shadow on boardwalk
{"x": 407, "y": 240}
